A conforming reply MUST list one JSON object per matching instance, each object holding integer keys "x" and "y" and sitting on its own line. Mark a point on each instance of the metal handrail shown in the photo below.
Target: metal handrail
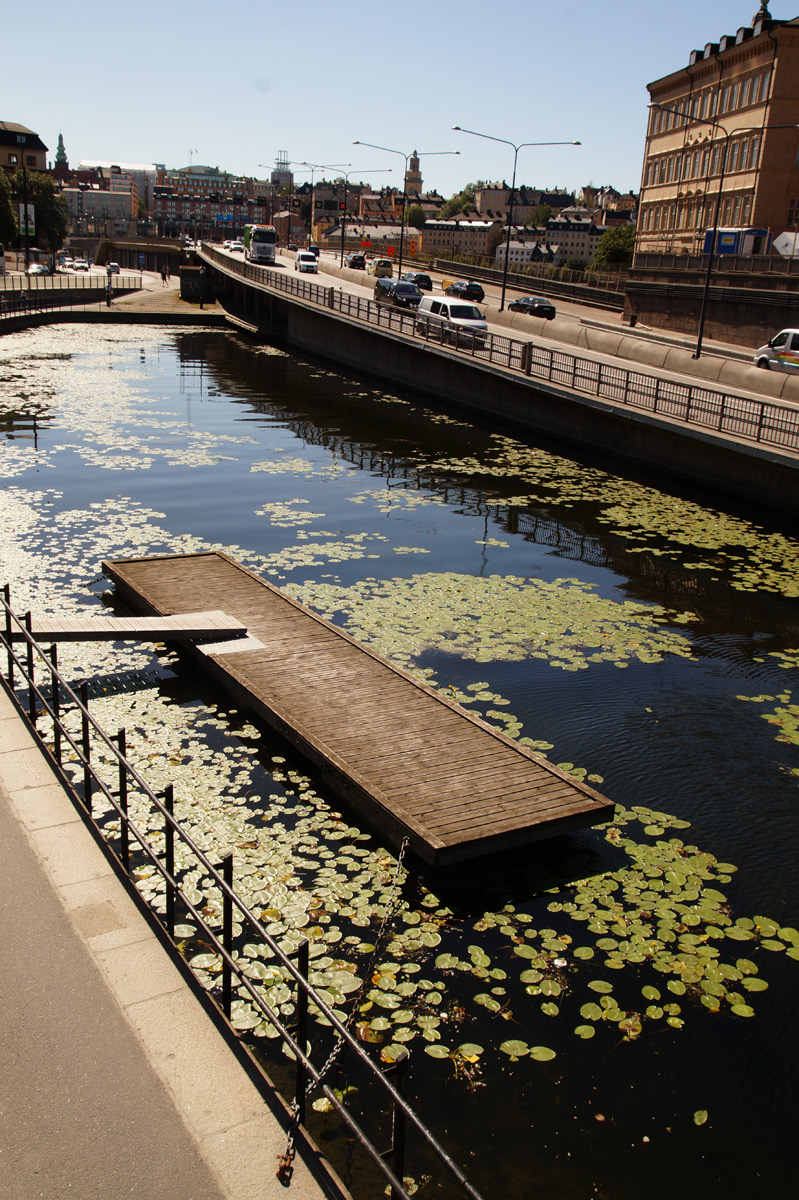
{"x": 17, "y": 629}
{"x": 759, "y": 421}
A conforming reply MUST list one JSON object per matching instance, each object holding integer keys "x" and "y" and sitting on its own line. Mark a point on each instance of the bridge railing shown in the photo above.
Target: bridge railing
{"x": 172, "y": 855}
{"x": 765, "y": 422}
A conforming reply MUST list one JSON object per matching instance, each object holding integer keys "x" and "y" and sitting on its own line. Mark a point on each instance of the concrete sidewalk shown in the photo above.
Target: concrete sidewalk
{"x": 114, "y": 1082}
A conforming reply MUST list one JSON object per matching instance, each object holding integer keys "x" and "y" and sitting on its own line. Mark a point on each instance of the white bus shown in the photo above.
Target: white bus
{"x": 259, "y": 243}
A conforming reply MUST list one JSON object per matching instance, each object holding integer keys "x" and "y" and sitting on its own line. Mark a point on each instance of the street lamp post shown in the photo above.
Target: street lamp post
{"x": 315, "y": 167}
{"x": 516, "y": 149}
{"x": 717, "y": 209}
{"x": 423, "y": 154}
{"x": 354, "y": 171}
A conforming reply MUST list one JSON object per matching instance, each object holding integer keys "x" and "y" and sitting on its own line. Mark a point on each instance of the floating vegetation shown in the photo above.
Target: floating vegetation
{"x": 501, "y": 617}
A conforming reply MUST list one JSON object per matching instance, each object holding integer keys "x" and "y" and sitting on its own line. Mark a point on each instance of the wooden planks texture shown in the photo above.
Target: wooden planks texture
{"x": 116, "y": 629}
{"x": 410, "y": 761}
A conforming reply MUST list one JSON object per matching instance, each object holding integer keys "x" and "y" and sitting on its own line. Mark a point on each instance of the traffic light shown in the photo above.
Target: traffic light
{"x": 341, "y": 206}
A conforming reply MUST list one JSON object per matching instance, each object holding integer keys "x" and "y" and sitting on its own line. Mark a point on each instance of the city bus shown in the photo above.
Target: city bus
{"x": 259, "y": 243}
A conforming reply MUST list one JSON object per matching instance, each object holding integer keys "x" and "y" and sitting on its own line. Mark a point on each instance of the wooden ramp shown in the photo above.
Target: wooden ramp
{"x": 406, "y": 759}
{"x": 192, "y": 625}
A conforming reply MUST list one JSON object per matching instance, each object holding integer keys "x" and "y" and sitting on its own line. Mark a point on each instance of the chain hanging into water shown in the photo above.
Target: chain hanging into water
{"x": 285, "y": 1168}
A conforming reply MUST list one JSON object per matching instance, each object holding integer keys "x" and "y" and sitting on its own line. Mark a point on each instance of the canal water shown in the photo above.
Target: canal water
{"x": 606, "y": 1015}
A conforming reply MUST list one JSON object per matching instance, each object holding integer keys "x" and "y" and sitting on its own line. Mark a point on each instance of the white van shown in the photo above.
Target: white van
{"x": 781, "y": 353}
{"x": 305, "y": 260}
{"x": 451, "y": 320}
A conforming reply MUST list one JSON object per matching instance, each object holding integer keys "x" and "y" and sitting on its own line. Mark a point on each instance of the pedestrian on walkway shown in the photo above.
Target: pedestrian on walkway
{"x": 163, "y": 276}
{"x": 168, "y": 270}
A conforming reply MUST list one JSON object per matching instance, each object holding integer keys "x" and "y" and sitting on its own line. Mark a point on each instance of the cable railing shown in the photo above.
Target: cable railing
{"x": 693, "y": 404}
{"x": 55, "y": 699}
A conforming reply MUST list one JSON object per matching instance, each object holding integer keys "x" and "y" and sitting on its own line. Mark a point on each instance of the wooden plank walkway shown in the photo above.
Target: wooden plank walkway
{"x": 214, "y": 624}
{"x": 408, "y": 760}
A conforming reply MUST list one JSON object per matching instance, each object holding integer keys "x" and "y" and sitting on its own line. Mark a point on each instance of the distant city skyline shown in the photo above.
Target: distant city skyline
{"x": 185, "y": 85}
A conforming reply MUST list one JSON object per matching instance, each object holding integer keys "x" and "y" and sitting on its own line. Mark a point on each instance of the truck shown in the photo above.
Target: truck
{"x": 259, "y": 243}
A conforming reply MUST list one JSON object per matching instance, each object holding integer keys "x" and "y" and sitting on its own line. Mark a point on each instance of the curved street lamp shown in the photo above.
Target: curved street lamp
{"x": 312, "y": 167}
{"x": 516, "y": 150}
{"x": 423, "y": 154}
{"x": 712, "y": 247}
{"x": 355, "y": 171}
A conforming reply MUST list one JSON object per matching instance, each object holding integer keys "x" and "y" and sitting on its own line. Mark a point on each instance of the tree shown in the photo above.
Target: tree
{"x": 462, "y": 201}
{"x": 615, "y": 247}
{"x": 415, "y": 216}
{"x": 52, "y": 214}
{"x": 539, "y": 215}
{"x": 8, "y": 222}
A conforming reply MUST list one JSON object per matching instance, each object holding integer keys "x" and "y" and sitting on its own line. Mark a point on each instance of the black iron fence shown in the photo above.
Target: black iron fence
{"x": 47, "y": 695}
{"x": 766, "y": 422}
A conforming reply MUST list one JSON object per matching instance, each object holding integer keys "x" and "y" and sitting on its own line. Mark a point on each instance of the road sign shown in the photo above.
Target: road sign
{"x": 390, "y": 251}
{"x": 142, "y": 260}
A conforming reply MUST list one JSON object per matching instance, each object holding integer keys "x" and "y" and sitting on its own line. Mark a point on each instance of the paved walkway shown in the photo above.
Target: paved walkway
{"x": 114, "y": 1082}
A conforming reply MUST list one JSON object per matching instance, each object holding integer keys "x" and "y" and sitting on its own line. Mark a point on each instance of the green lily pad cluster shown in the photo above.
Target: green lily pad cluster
{"x": 501, "y": 617}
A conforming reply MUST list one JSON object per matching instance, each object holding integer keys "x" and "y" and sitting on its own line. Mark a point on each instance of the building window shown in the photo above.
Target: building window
{"x": 755, "y": 89}
{"x": 734, "y": 95}
{"x": 793, "y": 211}
{"x": 727, "y": 211}
{"x": 703, "y": 109}
{"x": 736, "y": 210}
{"x": 747, "y": 83}
{"x": 734, "y": 152}
{"x": 747, "y": 210}
{"x": 725, "y": 100}
{"x": 755, "y": 154}
{"x": 13, "y": 159}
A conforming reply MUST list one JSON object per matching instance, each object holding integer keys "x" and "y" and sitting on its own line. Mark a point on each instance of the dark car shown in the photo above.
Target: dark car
{"x": 420, "y": 279}
{"x": 534, "y": 306}
{"x": 399, "y": 293}
{"x": 314, "y": 250}
{"x": 355, "y": 262}
{"x": 291, "y": 246}
{"x": 466, "y": 289}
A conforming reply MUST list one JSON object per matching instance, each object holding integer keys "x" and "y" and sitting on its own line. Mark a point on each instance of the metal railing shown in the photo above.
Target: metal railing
{"x": 62, "y": 282}
{"x": 25, "y": 302}
{"x": 739, "y": 264}
{"x": 759, "y": 421}
{"x": 55, "y": 699}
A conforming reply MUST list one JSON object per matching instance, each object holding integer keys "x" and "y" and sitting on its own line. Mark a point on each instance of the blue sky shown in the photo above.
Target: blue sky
{"x": 233, "y": 85}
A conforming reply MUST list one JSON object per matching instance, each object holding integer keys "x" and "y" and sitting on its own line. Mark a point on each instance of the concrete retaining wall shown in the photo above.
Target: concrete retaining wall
{"x": 747, "y": 471}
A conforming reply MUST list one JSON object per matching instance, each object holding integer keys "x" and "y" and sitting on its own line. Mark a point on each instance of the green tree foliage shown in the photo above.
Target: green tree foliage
{"x": 539, "y": 215}
{"x": 8, "y": 221}
{"x": 415, "y": 216}
{"x": 52, "y": 213}
{"x": 461, "y": 202}
{"x": 615, "y": 247}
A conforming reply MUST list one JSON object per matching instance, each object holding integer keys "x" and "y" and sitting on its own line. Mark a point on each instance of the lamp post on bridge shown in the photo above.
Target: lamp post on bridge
{"x": 312, "y": 167}
{"x": 727, "y": 134}
{"x": 423, "y": 154}
{"x": 354, "y": 171}
{"x": 516, "y": 149}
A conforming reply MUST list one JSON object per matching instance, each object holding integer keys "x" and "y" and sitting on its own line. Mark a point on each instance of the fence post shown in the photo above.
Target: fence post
{"x": 398, "y": 1122}
{"x": 83, "y": 696}
{"x": 124, "y": 849}
{"x": 169, "y": 858}
{"x": 29, "y": 659}
{"x": 56, "y": 703}
{"x": 301, "y": 1078}
{"x": 7, "y": 599}
{"x": 657, "y": 393}
{"x": 227, "y": 932}
{"x": 760, "y": 421}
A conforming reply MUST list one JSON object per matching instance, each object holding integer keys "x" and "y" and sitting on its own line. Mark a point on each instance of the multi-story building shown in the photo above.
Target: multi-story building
{"x": 98, "y": 211}
{"x": 577, "y": 238}
{"x": 492, "y": 200}
{"x": 21, "y": 147}
{"x": 460, "y": 237}
{"x": 206, "y": 202}
{"x": 723, "y": 129}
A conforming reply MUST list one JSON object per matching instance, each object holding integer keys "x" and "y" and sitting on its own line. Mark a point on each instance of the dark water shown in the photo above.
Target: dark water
{"x": 176, "y": 422}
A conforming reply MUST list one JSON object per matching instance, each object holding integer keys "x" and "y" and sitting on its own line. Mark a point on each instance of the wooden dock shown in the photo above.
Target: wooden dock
{"x": 407, "y": 760}
{"x": 140, "y": 629}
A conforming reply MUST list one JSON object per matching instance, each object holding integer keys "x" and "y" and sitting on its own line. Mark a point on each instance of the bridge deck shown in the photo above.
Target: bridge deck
{"x": 408, "y": 760}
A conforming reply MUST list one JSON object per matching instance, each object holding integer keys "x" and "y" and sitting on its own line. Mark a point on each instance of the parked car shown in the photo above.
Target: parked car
{"x": 420, "y": 279}
{"x": 80, "y": 264}
{"x": 355, "y": 262}
{"x": 381, "y": 267}
{"x": 467, "y": 289}
{"x": 452, "y": 321}
{"x": 534, "y": 306}
{"x": 236, "y": 247}
{"x": 113, "y": 268}
{"x": 305, "y": 261}
{"x": 38, "y": 269}
{"x": 401, "y": 294}
{"x": 781, "y": 353}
